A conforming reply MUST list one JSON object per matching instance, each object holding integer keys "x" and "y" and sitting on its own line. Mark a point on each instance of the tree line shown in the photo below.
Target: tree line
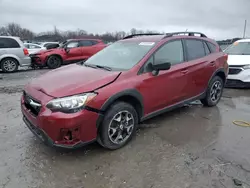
{"x": 14, "y": 29}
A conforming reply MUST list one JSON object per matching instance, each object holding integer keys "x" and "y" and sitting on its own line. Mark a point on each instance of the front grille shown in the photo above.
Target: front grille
{"x": 27, "y": 102}
{"x": 234, "y": 71}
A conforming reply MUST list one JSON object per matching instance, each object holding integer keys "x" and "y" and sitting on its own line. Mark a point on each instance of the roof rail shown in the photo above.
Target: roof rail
{"x": 186, "y": 32}
{"x": 142, "y": 34}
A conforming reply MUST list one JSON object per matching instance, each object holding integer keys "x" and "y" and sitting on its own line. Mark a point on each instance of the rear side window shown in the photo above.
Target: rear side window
{"x": 8, "y": 43}
{"x": 212, "y": 47}
{"x": 86, "y": 43}
{"x": 195, "y": 49}
{"x": 171, "y": 52}
{"x": 207, "y": 51}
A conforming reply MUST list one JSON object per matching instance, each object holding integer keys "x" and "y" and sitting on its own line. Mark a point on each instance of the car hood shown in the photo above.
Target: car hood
{"x": 72, "y": 80}
{"x": 238, "y": 59}
{"x": 54, "y": 50}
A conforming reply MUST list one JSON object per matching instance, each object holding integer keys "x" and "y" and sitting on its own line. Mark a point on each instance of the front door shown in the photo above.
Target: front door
{"x": 74, "y": 52}
{"x": 168, "y": 87}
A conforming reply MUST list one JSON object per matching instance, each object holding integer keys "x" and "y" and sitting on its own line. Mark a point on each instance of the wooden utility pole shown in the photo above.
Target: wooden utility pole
{"x": 245, "y": 27}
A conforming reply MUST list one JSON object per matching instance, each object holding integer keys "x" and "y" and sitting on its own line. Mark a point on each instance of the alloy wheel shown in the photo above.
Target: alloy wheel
{"x": 9, "y": 65}
{"x": 121, "y": 127}
{"x": 216, "y": 91}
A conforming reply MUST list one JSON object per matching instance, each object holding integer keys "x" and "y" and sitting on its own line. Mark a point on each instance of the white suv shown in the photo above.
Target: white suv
{"x": 13, "y": 54}
{"x": 239, "y": 64}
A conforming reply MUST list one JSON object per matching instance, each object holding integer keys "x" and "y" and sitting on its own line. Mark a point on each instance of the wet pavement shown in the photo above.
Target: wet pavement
{"x": 190, "y": 147}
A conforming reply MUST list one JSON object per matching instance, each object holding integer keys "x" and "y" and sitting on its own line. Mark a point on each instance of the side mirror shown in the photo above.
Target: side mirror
{"x": 161, "y": 66}
{"x": 66, "y": 49}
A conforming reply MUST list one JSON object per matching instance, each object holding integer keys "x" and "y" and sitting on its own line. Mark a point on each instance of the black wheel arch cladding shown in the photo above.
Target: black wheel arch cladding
{"x": 133, "y": 93}
{"x": 218, "y": 72}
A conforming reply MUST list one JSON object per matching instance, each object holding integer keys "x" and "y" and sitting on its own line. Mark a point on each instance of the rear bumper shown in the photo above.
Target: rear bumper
{"x": 231, "y": 83}
{"x": 25, "y": 61}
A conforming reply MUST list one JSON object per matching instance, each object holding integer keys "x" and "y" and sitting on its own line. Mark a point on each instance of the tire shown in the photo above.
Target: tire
{"x": 9, "y": 65}
{"x": 214, "y": 92}
{"x": 114, "y": 134}
{"x": 54, "y": 62}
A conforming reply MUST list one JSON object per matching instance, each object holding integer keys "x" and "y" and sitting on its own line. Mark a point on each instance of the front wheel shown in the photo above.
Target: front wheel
{"x": 119, "y": 126}
{"x": 54, "y": 62}
{"x": 214, "y": 92}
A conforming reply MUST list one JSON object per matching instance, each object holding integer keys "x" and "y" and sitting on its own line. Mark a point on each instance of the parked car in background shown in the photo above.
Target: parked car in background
{"x": 33, "y": 48}
{"x": 13, "y": 54}
{"x": 70, "y": 51}
{"x": 127, "y": 82}
{"x": 48, "y": 44}
{"x": 239, "y": 64}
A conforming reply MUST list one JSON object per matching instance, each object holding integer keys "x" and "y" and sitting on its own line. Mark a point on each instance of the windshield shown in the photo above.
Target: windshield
{"x": 239, "y": 48}
{"x": 121, "y": 55}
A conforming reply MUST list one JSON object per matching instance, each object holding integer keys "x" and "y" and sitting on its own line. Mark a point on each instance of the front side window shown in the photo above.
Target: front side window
{"x": 240, "y": 48}
{"x": 121, "y": 55}
{"x": 171, "y": 52}
{"x": 73, "y": 44}
{"x": 195, "y": 49}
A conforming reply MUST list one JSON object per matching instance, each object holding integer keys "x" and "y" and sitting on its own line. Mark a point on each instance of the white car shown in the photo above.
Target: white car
{"x": 33, "y": 48}
{"x": 46, "y": 44}
{"x": 239, "y": 64}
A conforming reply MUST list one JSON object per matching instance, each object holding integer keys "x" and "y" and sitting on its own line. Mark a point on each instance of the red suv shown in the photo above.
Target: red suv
{"x": 129, "y": 81}
{"x": 70, "y": 51}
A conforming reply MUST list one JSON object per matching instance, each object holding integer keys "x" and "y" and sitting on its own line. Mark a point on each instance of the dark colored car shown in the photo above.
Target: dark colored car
{"x": 70, "y": 51}
{"x": 126, "y": 83}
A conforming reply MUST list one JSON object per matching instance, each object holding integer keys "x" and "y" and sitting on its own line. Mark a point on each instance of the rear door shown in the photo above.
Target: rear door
{"x": 169, "y": 86}
{"x": 201, "y": 66}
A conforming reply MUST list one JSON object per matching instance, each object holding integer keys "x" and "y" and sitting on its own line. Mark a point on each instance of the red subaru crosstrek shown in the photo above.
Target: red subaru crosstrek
{"x": 129, "y": 81}
{"x": 70, "y": 51}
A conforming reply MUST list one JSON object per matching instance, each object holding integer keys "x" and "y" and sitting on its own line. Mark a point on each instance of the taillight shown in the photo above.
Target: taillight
{"x": 25, "y": 51}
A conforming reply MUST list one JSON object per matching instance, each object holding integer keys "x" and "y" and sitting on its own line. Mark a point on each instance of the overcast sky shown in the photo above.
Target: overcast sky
{"x": 219, "y": 19}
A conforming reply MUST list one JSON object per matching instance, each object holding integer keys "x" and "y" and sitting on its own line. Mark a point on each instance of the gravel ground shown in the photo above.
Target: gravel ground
{"x": 191, "y": 147}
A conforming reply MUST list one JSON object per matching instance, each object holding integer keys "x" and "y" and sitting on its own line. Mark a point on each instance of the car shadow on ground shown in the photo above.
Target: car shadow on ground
{"x": 144, "y": 127}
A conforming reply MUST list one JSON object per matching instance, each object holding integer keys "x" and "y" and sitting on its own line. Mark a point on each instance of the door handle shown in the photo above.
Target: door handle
{"x": 184, "y": 71}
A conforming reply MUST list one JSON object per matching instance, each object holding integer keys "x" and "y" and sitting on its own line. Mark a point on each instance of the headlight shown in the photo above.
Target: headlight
{"x": 70, "y": 104}
{"x": 246, "y": 67}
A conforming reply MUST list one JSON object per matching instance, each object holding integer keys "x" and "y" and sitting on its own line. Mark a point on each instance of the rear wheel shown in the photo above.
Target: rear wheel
{"x": 9, "y": 65}
{"x": 214, "y": 92}
{"x": 119, "y": 126}
{"x": 54, "y": 62}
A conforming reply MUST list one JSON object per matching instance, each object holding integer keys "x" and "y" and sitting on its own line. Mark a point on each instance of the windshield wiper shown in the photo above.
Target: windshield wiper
{"x": 98, "y": 66}
{"x": 89, "y": 65}
{"x": 104, "y": 67}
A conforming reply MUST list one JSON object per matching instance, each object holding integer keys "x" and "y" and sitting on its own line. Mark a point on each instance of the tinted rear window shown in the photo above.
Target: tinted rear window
{"x": 86, "y": 43}
{"x": 195, "y": 49}
{"x": 8, "y": 43}
{"x": 212, "y": 47}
